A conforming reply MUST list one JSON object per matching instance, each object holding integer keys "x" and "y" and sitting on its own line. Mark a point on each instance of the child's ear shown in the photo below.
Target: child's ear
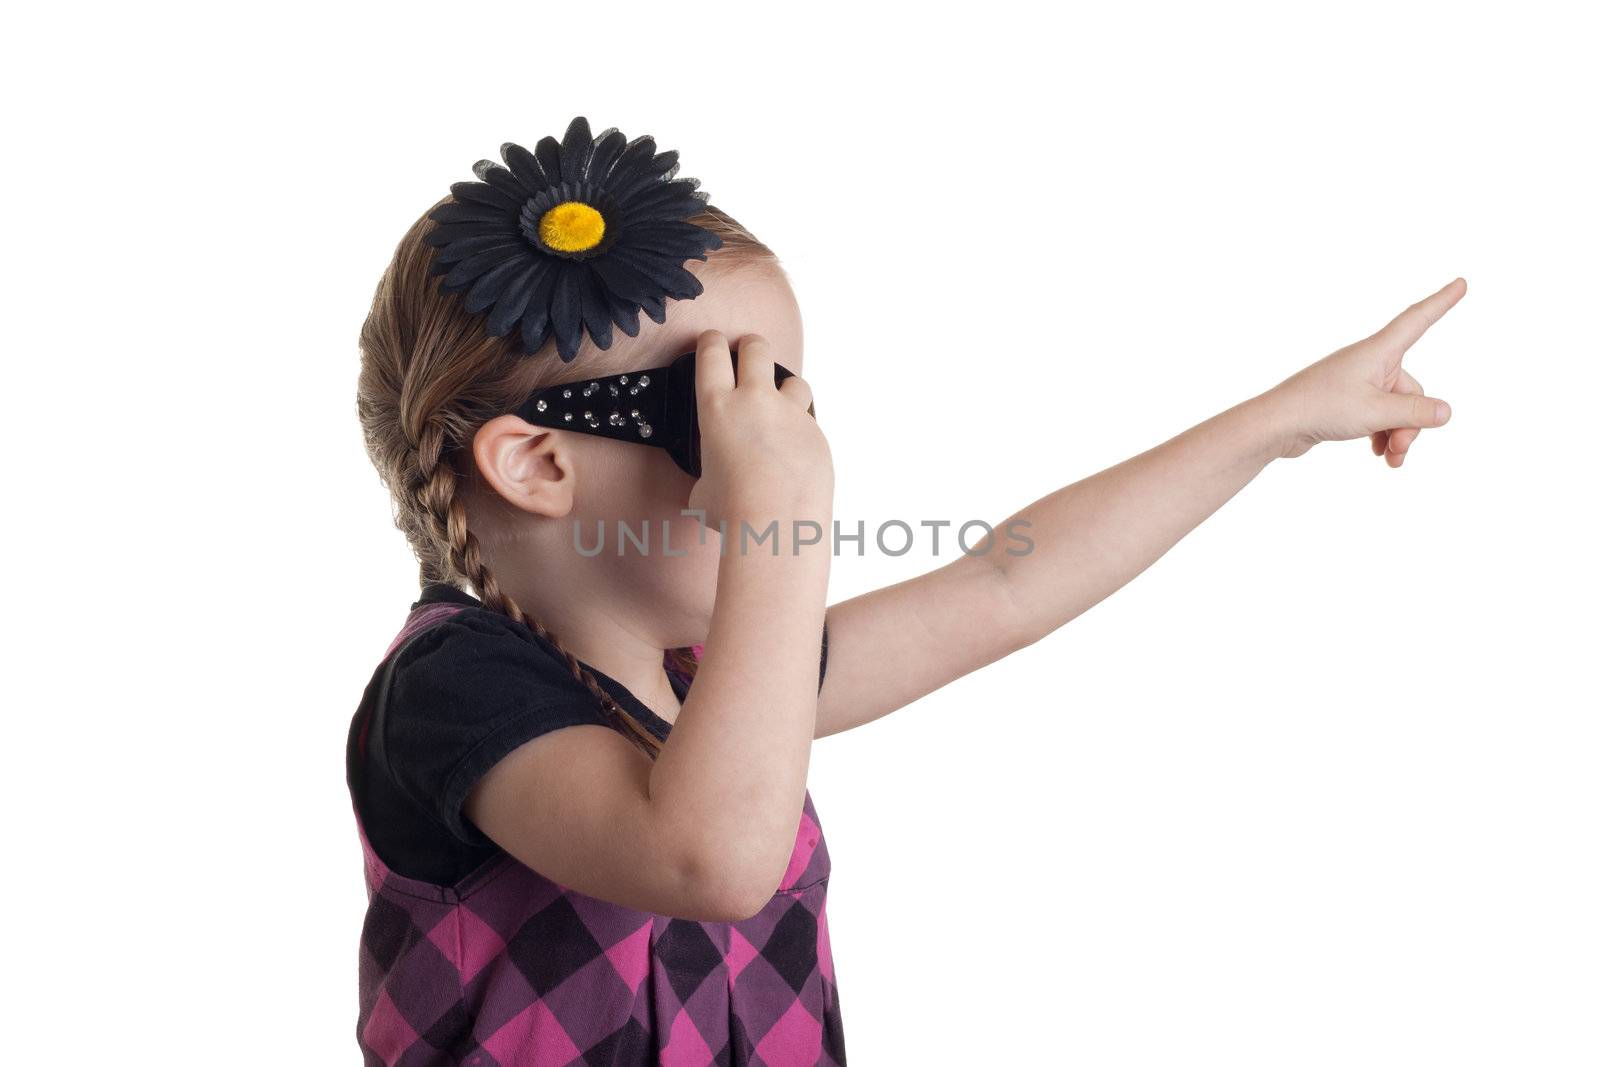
{"x": 529, "y": 466}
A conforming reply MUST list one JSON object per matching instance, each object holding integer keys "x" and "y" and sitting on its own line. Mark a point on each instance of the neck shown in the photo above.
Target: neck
{"x": 607, "y": 643}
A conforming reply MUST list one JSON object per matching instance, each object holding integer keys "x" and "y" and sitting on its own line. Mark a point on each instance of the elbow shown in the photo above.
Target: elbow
{"x": 723, "y": 870}
{"x": 737, "y": 904}
{"x": 1014, "y": 624}
{"x": 723, "y": 888}
{"x": 734, "y": 896}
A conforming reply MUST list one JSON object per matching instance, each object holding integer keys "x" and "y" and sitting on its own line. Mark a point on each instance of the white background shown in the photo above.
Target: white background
{"x": 1319, "y": 787}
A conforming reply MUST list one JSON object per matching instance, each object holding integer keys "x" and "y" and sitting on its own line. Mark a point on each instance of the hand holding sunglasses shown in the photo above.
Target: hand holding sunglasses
{"x": 654, "y": 406}
{"x": 763, "y": 458}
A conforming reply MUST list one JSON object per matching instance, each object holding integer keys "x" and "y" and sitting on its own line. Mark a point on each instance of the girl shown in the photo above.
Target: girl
{"x": 599, "y": 848}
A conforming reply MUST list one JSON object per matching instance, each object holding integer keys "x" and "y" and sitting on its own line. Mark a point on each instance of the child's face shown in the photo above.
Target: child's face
{"x": 671, "y": 594}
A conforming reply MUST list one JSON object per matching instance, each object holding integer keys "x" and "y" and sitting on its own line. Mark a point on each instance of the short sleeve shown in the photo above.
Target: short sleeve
{"x": 465, "y": 693}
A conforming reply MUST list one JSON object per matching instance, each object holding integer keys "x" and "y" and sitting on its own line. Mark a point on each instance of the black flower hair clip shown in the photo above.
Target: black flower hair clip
{"x": 581, "y": 233}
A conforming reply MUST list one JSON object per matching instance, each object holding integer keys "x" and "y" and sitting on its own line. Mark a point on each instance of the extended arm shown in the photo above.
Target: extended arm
{"x": 1088, "y": 539}
{"x": 889, "y": 647}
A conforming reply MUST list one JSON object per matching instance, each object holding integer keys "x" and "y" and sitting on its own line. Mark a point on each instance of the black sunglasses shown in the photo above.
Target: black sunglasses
{"x": 644, "y": 407}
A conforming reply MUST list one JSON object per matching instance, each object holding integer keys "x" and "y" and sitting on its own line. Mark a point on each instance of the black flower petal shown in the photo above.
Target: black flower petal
{"x": 481, "y": 193}
{"x": 629, "y": 284}
{"x": 596, "y": 312}
{"x": 616, "y": 247}
{"x": 536, "y": 320}
{"x": 466, "y": 211}
{"x": 525, "y": 169}
{"x": 470, "y": 268}
{"x": 492, "y": 173}
{"x": 664, "y": 165}
{"x": 566, "y": 313}
{"x": 471, "y": 246}
{"x": 632, "y": 174}
{"x": 576, "y": 148}
{"x": 662, "y": 203}
{"x": 669, "y": 278}
{"x": 607, "y": 148}
{"x": 508, "y": 309}
{"x": 625, "y": 313}
{"x": 635, "y": 155}
{"x": 487, "y": 289}
{"x": 670, "y": 237}
{"x": 548, "y": 153}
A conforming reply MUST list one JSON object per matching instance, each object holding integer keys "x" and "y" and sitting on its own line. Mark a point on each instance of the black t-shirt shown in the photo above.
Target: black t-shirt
{"x": 462, "y": 694}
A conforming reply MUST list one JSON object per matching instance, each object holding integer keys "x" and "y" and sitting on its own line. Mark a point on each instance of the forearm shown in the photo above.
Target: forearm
{"x": 1092, "y": 537}
{"x": 734, "y": 767}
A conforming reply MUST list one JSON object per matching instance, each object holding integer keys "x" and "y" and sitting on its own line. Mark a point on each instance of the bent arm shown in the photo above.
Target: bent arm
{"x": 733, "y": 771}
{"x": 706, "y": 830}
{"x": 574, "y": 804}
{"x": 1089, "y": 539}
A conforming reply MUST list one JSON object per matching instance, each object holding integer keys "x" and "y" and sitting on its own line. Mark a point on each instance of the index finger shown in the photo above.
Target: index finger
{"x": 713, "y": 365}
{"x": 1413, "y": 322}
{"x": 755, "y": 362}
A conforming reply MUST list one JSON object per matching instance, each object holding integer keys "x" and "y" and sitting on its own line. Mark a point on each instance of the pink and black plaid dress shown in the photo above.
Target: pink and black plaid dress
{"x": 471, "y": 958}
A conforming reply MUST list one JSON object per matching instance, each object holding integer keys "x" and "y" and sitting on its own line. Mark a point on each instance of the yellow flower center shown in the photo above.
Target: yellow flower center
{"x": 571, "y": 227}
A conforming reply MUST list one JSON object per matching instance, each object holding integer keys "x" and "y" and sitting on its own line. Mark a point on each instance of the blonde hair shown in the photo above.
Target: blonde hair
{"x": 430, "y": 377}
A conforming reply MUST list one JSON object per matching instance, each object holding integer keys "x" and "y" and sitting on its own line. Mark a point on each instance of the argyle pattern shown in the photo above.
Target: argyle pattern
{"x": 510, "y": 969}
